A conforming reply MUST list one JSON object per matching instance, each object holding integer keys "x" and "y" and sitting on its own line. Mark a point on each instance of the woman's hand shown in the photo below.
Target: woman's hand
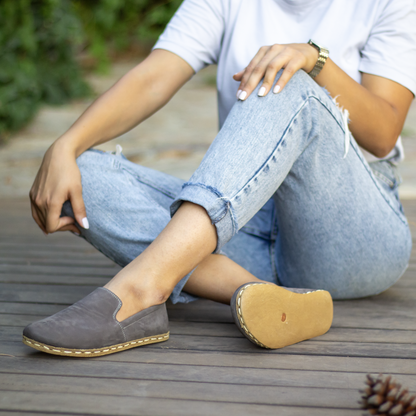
{"x": 268, "y": 61}
{"x": 57, "y": 181}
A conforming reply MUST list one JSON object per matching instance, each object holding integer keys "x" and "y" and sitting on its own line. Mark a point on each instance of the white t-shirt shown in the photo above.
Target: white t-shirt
{"x": 373, "y": 36}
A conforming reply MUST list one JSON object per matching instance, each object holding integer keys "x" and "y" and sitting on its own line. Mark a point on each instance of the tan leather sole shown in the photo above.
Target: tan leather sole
{"x": 273, "y": 317}
{"x": 96, "y": 352}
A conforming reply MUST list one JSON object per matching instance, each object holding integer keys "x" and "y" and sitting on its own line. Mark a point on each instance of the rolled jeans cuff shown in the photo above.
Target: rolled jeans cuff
{"x": 217, "y": 206}
{"x": 178, "y": 295}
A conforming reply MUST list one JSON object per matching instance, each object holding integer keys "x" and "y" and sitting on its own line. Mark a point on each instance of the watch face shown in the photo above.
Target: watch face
{"x": 319, "y": 47}
{"x": 313, "y": 43}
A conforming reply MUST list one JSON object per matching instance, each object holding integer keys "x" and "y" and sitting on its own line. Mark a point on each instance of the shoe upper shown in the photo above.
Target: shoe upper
{"x": 91, "y": 323}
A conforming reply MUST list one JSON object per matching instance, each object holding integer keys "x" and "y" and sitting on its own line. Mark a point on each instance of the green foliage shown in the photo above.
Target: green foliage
{"x": 118, "y": 24}
{"x": 41, "y": 39}
{"x": 37, "y": 48}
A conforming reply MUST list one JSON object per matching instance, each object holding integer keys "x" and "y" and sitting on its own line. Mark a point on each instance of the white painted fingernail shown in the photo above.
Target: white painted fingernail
{"x": 85, "y": 223}
{"x": 261, "y": 92}
{"x": 276, "y": 89}
{"x": 242, "y": 95}
{"x": 238, "y": 93}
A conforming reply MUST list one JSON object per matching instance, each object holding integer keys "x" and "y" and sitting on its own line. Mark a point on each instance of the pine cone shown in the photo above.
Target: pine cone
{"x": 385, "y": 397}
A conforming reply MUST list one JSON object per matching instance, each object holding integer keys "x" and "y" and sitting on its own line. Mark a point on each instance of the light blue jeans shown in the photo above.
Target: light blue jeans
{"x": 286, "y": 205}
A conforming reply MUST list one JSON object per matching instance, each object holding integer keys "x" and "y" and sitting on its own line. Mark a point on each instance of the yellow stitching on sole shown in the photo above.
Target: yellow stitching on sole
{"x": 240, "y": 317}
{"x": 103, "y": 352}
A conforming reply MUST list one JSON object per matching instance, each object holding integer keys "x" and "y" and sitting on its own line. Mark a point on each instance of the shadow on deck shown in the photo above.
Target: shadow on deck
{"x": 206, "y": 367}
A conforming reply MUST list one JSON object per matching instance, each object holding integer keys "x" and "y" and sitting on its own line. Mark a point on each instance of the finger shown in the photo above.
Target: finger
{"x": 71, "y": 227}
{"x": 249, "y": 70}
{"x": 35, "y": 216}
{"x": 270, "y": 75}
{"x": 65, "y": 222}
{"x": 36, "y": 205}
{"x": 260, "y": 69}
{"x": 53, "y": 216}
{"x": 291, "y": 68}
{"x": 78, "y": 207}
{"x": 239, "y": 75}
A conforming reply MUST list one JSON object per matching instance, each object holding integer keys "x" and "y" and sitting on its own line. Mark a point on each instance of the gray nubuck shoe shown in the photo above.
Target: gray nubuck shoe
{"x": 89, "y": 328}
{"x": 271, "y": 316}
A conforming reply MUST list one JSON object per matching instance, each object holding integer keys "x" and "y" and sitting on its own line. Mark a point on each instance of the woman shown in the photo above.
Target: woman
{"x": 316, "y": 205}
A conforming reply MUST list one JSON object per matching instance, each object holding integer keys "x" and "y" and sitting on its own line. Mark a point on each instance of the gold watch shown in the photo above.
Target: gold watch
{"x": 322, "y": 57}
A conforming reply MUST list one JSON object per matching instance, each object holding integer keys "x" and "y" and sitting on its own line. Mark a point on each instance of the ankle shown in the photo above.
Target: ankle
{"x": 150, "y": 296}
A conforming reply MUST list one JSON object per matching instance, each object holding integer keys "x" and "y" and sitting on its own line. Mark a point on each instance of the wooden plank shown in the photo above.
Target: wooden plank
{"x": 254, "y": 359}
{"x": 56, "y": 366}
{"x": 30, "y": 308}
{"x": 19, "y": 320}
{"x": 46, "y": 249}
{"x": 23, "y": 259}
{"x": 48, "y": 293}
{"x": 17, "y": 413}
{"x": 80, "y": 280}
{"x": 16, "y": 227}
{"x": 375, "y": 314}
{"x": 107, "y": 405}
{"x": 230, "y": 330}
{"x": 217, "y": 392}
{"x": 313, "y": 347}
{"x": 348, "y": 314}
{"x": 64, "y": 244}
{"x": 56, "y": 270}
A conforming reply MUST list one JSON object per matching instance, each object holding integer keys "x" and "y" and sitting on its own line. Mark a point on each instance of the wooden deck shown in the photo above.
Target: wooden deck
{"x": 207, "y": 367}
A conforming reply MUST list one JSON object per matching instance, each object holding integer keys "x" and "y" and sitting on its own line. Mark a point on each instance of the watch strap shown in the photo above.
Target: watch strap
{"x": 323, "y": 54}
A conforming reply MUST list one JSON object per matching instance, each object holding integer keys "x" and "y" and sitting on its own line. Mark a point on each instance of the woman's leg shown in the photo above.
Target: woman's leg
{"x": 256, "y": 151}
{"x": 128, "y": 206}
{"x": 339, "y": 228}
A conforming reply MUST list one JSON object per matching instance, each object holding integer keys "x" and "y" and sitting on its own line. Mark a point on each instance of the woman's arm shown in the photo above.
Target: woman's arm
{"x": 135, "y": 97}
{"x": 377, "y": 107}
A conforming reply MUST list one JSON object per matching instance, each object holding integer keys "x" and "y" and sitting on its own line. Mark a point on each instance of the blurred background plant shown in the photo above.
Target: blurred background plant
{"x": 114, "y": 26}
{"x": 47, "y": 45}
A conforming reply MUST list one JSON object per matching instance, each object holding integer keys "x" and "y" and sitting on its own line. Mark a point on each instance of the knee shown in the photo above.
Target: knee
{"x": 87, "y": 164}
{"x": 300, "y": 88}
{"x": 89, "y": 161}
{"x": 97, "y": 173}
{"x": 302, "y": 85}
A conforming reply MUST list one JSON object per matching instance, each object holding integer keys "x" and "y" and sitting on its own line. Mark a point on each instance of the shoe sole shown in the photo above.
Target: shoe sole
{"x": 95, "y": 352}
{"x": 273, "y": 317}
